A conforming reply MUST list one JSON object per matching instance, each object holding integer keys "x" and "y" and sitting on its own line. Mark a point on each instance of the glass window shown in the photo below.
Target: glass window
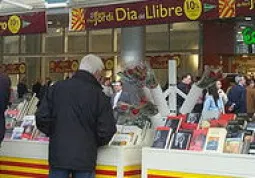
{"x": 77, "y": 42}
{"x": 184, "y": 36}
{"x": 54, "y": 44}
{"x": 11, "y": 44}
{"x": 101, "y": 40}
{"x": 157, "y": 37}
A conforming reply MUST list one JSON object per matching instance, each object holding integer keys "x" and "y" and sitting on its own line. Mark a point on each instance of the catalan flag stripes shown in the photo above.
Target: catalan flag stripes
{"x": 226, "y": 8}
{"x": 172, "y": 174}
{"x": 78, "y": 22}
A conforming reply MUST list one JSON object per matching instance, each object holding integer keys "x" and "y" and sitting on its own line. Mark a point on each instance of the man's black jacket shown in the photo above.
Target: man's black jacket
{"x": 78, "y": 118}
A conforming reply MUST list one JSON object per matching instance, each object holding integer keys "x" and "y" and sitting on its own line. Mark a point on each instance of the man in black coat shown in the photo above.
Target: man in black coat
{"x": 237, "y": 96}
{"x": 5, "y": 84}
{"x": 78, "y": 118}
{"x": 184, "y": 86}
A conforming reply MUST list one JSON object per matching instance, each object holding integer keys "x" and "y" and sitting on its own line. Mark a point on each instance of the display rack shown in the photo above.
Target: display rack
{"x": 159, "y": 163}
{"x": 29, "y": 158}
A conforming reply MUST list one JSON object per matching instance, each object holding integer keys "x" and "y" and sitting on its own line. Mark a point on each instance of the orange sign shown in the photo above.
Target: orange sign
{"x": 161, "y": 62}
{"x": 18, "y": 68}
{"x": 63, "y": 66}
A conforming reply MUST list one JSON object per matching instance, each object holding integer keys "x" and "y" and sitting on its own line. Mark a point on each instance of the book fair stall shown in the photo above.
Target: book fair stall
{"x": 151, "y": 139}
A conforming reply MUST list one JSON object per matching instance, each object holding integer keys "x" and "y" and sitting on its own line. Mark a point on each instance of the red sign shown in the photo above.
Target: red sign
{"x": 157, "y": 12}
{"x": 142, "y": 13}
{"x": 161, "y": 62}
{"x": 63, "y": 66}
{"x": 23, "y": 24}
{"x": 19, "y": 68}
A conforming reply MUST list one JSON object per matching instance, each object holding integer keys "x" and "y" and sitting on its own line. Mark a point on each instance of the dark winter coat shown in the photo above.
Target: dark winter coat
{"x": 237, "y": 96}
{"x": 78, "y": 118}
{"x": 185, "y": 89}
{"x": 5, "y": 84}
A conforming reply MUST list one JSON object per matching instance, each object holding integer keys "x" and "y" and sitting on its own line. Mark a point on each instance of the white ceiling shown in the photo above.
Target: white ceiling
{"x": 8, "y": 8}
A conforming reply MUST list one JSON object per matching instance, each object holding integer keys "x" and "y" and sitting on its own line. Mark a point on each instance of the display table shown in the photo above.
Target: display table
{"x": 29, "y": 159}
{"x": 159, "y": 163}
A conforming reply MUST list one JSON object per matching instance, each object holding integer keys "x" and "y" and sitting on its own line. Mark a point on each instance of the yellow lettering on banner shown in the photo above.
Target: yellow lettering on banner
{"x": 170, "y": 11}
{"x": 252, "y": 4}
{"x": 178, "y": 11}
{"x": 163, "y": 11}
{"x": 120, "y": 14}
{"x": 3, "y": 25}
{"x": 125, "y": 14}
{"x": 148, "y": 14}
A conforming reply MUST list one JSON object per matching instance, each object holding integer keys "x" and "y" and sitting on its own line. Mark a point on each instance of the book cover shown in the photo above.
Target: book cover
{"x": 181, "y": 140}
{"x": 134, "y": 131}
{"x": 215, "y": 140}
{"x": 233, "y": 145}
{"x": 198, "y": 140}
{"x": 162, "y": 137}
{"x": 193, "y": 118}
{"x": 227, "y": 116}
{"x": 39, "y": 136}
{"x": 17, "y": 133}
{"x": 173, "y": 122}
{"x": 121, "y": 140}
{"x": 28, "y": 132}
{"x": 28, "y": 120}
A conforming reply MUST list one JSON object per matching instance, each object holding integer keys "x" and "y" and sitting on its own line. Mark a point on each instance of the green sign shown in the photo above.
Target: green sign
{"x": 249, "y": 36}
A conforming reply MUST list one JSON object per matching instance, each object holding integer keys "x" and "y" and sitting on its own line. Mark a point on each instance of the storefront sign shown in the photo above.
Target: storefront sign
{"x": 249, "y": 36}
{"x": 161, "y": 62}
{"x": 63, "y": 66}
{"x": 245, "y": 7}
{"x": 108, "y": 63}
{"x": 157, "y": 12}
{"x": 18, "y": 68}
{"x": 142, "y": 13}
{"x": 23, "y": 24}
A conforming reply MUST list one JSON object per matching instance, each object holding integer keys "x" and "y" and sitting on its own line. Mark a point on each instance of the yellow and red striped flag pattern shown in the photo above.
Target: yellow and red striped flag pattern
{"x": 78, "y": 22}
{"x": 227, "y": 8}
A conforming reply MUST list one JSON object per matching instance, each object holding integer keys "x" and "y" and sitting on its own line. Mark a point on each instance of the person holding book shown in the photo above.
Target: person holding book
{"x": 213, "y": 103}
{"x": 78, "y": 118}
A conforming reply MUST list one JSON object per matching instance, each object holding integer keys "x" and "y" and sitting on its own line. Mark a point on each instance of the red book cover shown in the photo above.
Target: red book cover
{"x": 198, "y": 140}
{"x": 191, "y": 121}
{"x": 223, "y": 120}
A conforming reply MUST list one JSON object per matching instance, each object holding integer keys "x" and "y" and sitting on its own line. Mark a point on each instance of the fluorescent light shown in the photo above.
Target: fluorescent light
{"x": 50, "y": 22}
{"x": 56, "y": 5}
{"x": 247, "y": 18}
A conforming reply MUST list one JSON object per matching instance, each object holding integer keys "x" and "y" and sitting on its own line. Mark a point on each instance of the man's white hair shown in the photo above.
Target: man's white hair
{"x": 91, "y": 63}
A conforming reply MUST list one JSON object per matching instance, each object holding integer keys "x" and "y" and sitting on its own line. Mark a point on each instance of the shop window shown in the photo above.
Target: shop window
{"x": 54, "y": 44}
{"x": 31, "y": 44}
{"x": 101, "y": 40}
{"x": 184, "y": 36}
{"x": 11, "y": 44}
{"x": 157, "y": 37}
{"x": 77, "y": 42}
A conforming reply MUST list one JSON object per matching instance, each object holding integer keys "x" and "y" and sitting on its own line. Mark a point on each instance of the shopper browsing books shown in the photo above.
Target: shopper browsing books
{"x": 5, "y": 84}
{"x": 213, "y": 104}
{"x": 78, "y": 118}
{"x": 250, "y": 96}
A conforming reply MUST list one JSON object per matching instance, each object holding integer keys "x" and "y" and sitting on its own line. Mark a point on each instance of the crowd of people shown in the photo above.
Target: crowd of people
{"x": 238, "y": 98}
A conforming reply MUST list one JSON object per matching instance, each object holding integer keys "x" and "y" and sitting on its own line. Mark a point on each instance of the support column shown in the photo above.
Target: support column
{"x": 132, "y": 45}
{"x": 132, "y": 52}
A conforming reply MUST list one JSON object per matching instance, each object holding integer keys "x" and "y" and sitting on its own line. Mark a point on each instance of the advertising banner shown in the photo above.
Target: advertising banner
{"x": 142, "y": 13}
{"x": 63, "y": 66}
{"x": 156, "y": 12}
{"x": 18, "y": 68}
{"x": 23, "y": 24}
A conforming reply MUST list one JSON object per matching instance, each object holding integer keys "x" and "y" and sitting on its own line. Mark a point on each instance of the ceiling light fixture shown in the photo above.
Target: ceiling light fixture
{"x": 248, "y": 18}
{"x": 56, "y": 5}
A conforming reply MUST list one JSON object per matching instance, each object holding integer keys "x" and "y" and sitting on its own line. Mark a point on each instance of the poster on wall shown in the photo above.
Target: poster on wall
{"x": 161, "y": 62}
{"x": 17, "y": 68}
{"x": 62, "y": 66}
{"x": 23, "y": 24}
